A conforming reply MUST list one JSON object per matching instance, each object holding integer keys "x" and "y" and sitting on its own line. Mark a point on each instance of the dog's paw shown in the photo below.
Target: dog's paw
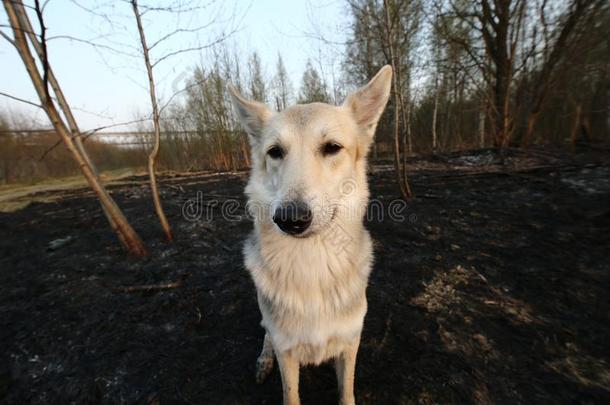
{"x": 264, "y": 365}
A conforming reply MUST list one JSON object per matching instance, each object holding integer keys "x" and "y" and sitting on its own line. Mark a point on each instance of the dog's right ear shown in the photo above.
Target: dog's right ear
{"x": 252, "y": 114}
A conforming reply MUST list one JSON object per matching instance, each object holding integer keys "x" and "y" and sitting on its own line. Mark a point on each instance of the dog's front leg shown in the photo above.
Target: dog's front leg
{"x": 289, "y": 369}
{"x": 345, "y": 365}
{"x": 264, "y": 363}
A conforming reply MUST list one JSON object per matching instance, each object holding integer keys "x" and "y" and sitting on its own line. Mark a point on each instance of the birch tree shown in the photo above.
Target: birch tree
{"x": 44, "y": 81}
{"x": 152, "y": 158}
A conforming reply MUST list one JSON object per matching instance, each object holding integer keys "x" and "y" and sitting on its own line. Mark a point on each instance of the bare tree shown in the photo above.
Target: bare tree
{"x": 566, "y": 35}
{"x": 498, "y": 26}
{"x": 257, "y": 87}
{"x": 313, "y": 88}
{"x": 152, "y": 158}
{"x": 282, "y": 86}
{"x": 519, "y": 48}
{"x": 435, "y": 114}
{"x": 391, "y": 40}
{"x": 41, "y": 51}
{"x": 69, "y": 133}
{"x": 384, "y": 32}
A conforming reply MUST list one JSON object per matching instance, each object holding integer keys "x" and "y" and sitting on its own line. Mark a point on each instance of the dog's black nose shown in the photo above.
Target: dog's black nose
{"x": 293, "y": 218}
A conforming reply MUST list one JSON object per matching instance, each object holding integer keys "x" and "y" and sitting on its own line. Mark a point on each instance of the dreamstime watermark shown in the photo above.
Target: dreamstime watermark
{"x": 234, "y": 210}
{"x": 338, "y": 238}
{"x": 181, "y": 82}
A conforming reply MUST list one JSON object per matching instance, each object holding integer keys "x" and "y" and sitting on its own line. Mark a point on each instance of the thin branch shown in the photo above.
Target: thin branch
{"x": 196, "y": 48}
{"x": 181, "y": 91}
{"x": 93, "y": 44}
{"x": 174, "y": 9}
{"x": 9, "y": 39}
{"x": 149, "y": 287}
{"x": 179, "y": 31}
{"x": 90, "y": 132}
{"x": 43, "y": 42}
{"x": 98, "y": 115}
{"x": 20, "y": 100}
{"x": 46, "y": 3}
{"x": 93, "y": 12}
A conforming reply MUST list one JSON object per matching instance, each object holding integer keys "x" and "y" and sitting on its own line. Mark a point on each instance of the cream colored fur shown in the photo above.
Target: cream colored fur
{"x": 312, "y": 288}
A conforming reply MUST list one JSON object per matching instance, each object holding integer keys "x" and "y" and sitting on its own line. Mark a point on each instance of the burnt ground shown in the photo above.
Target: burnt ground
{"x": 493, "y": 288}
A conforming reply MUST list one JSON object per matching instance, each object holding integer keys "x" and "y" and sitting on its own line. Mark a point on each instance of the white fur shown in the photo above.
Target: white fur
{"x": 314, "y": 281}
{"x": 312, "y": 288}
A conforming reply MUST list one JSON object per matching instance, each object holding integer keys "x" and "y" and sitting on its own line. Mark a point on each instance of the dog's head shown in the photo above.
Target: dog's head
{"x": 309, "y": 161}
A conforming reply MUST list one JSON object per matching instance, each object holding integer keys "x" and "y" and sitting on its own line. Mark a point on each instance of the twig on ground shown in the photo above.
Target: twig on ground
{"x": 149, "y": 287}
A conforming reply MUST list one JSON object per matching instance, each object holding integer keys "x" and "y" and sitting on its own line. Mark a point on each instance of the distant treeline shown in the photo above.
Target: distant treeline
{"x": 31, "y": 156}
{"x": 471, "y": 74}
{"x": 488, "y": 73}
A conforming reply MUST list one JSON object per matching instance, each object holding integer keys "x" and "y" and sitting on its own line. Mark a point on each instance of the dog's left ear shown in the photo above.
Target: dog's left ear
{"x": 368, "y": 102}
{"x": 252, "y": 114}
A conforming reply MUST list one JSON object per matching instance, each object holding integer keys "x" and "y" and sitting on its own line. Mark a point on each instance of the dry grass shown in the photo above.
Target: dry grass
{"x": 17, "y": 196}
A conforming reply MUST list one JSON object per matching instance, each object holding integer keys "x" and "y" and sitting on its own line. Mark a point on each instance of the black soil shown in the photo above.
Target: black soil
{"x": 492, "y": 286}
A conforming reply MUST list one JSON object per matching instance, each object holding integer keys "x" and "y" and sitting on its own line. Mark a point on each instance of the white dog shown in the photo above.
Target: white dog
{"x": 309, "y": 255}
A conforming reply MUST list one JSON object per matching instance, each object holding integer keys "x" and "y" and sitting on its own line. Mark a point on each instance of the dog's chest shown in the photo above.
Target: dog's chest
{"x": 310, "y": 293}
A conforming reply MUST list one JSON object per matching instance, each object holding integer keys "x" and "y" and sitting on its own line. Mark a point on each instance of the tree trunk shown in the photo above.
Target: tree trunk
{"x": 403, "y": 184}
{"x": 61, "y": 100}
{"x": 117, "y": 220}
{"x": 245, "y": 152}
{"x": 576, "y": 126}
{"x": 501, "y": 109}
{"x": 529, "y": 132}
{"x": 152, "y": 158}
{"x": 482, "y": 127}
{"x": 435, "y": 115}
{"x": 545, "y": 76}
{"x": 405, "y": 107}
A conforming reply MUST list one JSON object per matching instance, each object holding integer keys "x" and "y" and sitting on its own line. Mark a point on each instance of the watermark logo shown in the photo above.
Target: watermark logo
{"x": 233, "y": 210}
{"x": 348, "y": 187}
{"x": 338, "y": 238}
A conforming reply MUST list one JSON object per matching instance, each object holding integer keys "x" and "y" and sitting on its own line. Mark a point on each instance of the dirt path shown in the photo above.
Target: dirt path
{"x": 490, "y": 288}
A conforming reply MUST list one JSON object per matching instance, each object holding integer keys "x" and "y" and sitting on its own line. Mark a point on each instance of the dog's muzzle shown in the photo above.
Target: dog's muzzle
{"x": 293, "y": 217}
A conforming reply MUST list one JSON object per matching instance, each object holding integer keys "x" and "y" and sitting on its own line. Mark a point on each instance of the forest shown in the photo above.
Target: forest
{"x": 468, "y": 75}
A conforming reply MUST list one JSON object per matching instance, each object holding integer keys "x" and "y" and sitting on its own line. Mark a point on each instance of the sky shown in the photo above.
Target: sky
{"x": 106, "y": 86}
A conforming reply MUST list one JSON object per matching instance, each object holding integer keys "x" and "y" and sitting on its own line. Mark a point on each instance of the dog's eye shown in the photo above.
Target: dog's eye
{"x": 331, "y": 148}
{"x": 275, "y": 152}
